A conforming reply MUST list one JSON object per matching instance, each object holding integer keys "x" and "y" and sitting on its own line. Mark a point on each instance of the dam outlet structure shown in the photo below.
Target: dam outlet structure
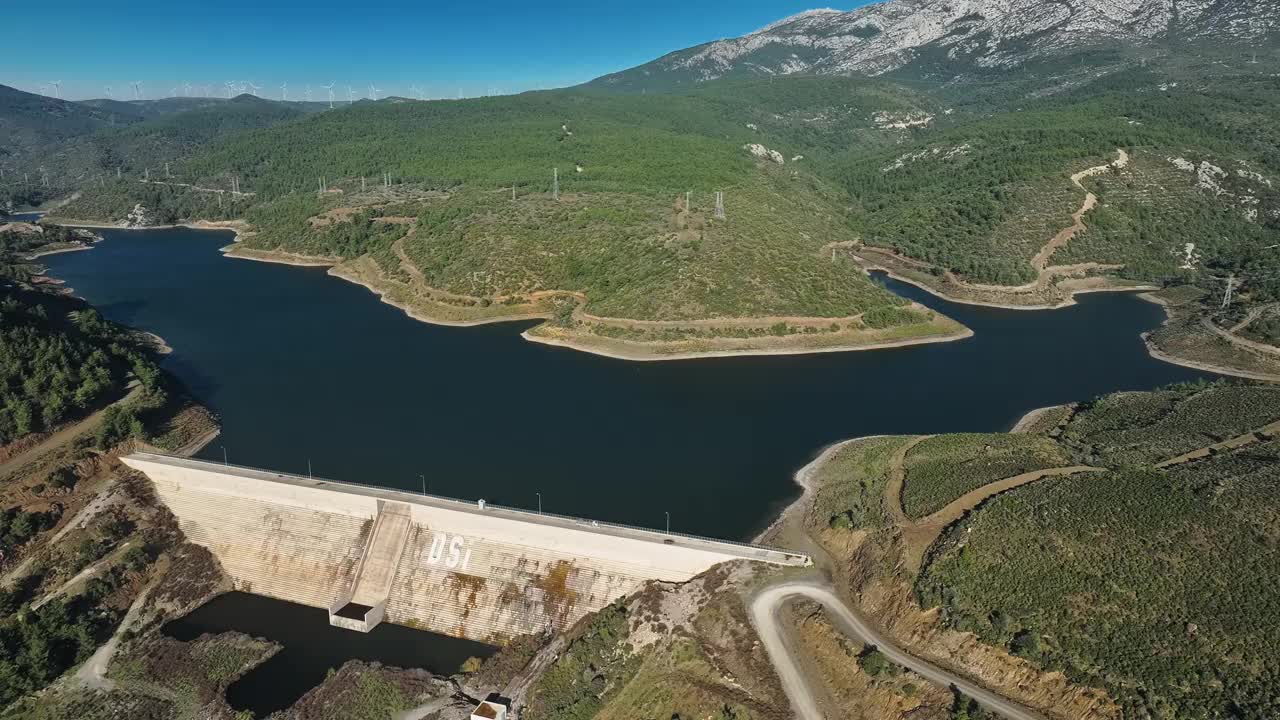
{"x": 466, "y": 569}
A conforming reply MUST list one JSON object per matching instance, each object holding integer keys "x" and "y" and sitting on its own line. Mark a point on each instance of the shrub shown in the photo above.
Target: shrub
{"x": 118, "y": 424}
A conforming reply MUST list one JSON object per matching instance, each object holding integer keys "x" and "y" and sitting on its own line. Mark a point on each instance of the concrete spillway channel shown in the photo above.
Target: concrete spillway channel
{"x": 465, "y": 569}
{"x": 365, "y": 605}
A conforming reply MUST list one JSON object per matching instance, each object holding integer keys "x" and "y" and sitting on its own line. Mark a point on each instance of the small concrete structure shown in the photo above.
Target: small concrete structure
{"x": 365, "y": 605}
{"x": 367, "y": 553}
{"x": 490, "y": 710}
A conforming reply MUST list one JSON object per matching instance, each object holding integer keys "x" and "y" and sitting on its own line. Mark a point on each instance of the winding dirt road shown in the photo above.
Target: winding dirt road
{"x": 93, "y": 673}
{"x": 765, "y": 605}
{"x": 1231, "y": 337}
{"x": 764, "y": 616}
{"x": 1040, "y": 262}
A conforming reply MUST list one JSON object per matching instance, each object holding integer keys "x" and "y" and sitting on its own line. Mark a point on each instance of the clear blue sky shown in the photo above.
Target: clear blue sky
{"x": 443, "y": 46}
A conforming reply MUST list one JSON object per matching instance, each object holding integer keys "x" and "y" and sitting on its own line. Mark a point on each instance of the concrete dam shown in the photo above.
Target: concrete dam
{"x": 368, "y": 554}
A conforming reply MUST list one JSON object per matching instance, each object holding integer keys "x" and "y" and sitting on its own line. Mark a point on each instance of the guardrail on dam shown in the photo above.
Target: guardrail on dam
{"x": 366, "y": 553}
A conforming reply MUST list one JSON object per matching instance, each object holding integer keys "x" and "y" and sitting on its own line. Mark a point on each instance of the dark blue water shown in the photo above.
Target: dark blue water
{"x": 302, "y": 365}
{"x": 311, "y": 647}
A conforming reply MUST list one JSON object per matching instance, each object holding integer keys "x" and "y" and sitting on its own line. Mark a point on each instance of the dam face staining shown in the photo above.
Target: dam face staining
{"x": 369, "y": 555}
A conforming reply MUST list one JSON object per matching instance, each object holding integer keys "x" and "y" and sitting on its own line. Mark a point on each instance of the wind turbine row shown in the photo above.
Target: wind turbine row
{"x": 241, "y": 87}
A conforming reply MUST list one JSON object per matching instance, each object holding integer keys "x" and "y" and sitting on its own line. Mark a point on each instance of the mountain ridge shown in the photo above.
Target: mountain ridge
{"x": 973, "y": 35}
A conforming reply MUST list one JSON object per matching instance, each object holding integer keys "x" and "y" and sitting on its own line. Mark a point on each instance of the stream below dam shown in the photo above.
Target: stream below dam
{"x": 307, "y": 370}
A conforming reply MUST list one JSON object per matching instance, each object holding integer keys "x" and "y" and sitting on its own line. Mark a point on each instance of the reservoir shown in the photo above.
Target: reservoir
{"x": 306, "y": 369}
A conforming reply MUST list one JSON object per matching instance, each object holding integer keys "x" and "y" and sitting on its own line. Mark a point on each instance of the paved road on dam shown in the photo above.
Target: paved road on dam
{"x": 764, "y": 615}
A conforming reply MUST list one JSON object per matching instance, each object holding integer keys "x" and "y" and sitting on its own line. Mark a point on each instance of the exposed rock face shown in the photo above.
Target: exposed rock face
{"x": 137, "y": 217}
{"x": 764, "y": 153}
{"x": 878, "y": 38}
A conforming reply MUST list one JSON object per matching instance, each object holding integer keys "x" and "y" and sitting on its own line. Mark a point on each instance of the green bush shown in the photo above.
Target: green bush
{"x": 118, "y": 424}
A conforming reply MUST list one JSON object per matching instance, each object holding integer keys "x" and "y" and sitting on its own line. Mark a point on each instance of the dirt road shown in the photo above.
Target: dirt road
{"x": 764, "y": 616}
{"x": 64, "y": 435}
{"x": 94, "y": 671}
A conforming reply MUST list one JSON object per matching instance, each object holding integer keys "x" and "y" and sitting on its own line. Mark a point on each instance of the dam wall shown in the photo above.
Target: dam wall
{"x": 365, "y": 553}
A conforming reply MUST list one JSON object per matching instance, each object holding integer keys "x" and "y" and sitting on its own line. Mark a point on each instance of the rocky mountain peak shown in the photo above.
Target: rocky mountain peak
{"x": 883, "y": 37}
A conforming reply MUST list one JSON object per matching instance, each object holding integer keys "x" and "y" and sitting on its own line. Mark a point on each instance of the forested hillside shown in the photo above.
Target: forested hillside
{"x": 79, "y": 542}
{"x": 1154, "y": 579}
{"x": 52, "y": 148}
{"x": 1129, "y": 543}
{"x": 535, "y": 204}
{"x": 1101, "y": 165}
{"x": 60, "y": 360}
{"x": 29, "y": 121}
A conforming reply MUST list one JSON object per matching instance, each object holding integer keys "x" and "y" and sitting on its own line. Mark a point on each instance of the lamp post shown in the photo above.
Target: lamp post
{"x": 424, "y": 483}
{"x": 668, "y": 514}
{"x": 539, "y": 502}
{"x": 224, "y": 455}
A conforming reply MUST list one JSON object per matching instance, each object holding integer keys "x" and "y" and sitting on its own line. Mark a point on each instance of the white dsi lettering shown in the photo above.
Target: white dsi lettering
{"x": 437, "y": 549}
{"x": 455, "y": 552}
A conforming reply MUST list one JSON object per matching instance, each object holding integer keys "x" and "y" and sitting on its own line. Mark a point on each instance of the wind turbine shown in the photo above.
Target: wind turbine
{"x": 253, "y": 89}
{"x": 329, "y": 87}
{"x": 137, "y": 89}
{"x": 308, "y": 92}
{"x": 284, "y": 92}
{"x": 230, "y": 86}
{"x": 186, "y": 88}
{"x": 57, "y": 88}
{"x": 350, "y": 95}
{"x": 44, "y": 89}
{"x": 373, "y": 92}
{"x": 108, "y": 89}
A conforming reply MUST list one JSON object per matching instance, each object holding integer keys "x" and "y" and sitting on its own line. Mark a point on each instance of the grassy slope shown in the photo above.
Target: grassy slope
{"x": 1153, "y": 584}
{"x": 978, "y": 191}
{"x": 1157, "y": 585}
{"x": 850, "y": 485}
{"x": 620, "y": 233}
{"x": 970, "y": 213}
{"x": 942, "y": 468}
{"x": 1137, "y": 429}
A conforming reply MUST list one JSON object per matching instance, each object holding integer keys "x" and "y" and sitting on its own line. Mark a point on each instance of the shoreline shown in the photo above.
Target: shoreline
{"x": 1066, "y": 303}
{"x": 59, "y": 251}
{"x": 1154, "y": 351}
{"x": 1161, "y": 355}
{"x": 229, "y": 225}
{"x": 1029, "y": 418}
{"x": 637, "y": 356}
{"x": 803, "y": 479}
{"x": 158, "y": 344}
{"x": 414, "y": 314}
{"x": 1143, "y": 291}
{"x": 227, "y": 253}
{"x": 707, "y": 354}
